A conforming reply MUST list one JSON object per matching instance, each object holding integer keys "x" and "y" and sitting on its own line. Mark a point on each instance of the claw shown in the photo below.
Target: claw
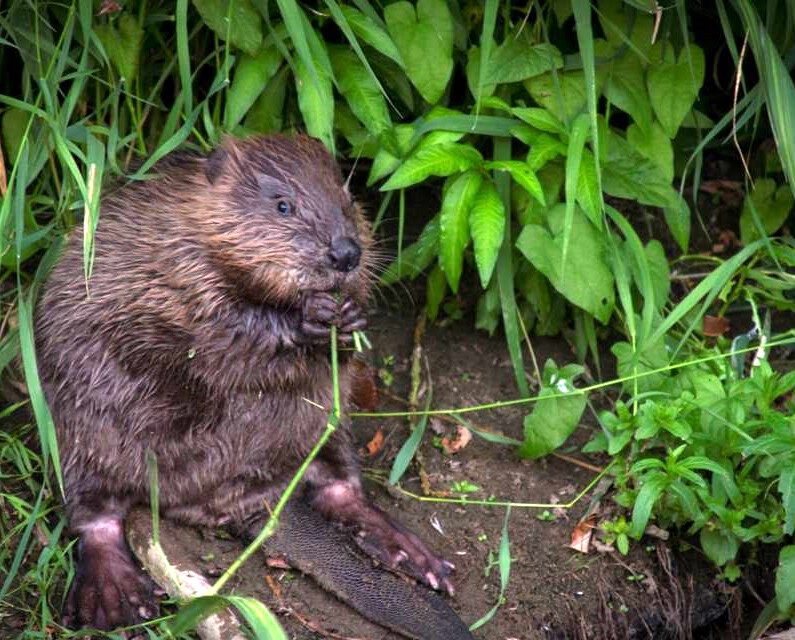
{"x": 432, "y": 580}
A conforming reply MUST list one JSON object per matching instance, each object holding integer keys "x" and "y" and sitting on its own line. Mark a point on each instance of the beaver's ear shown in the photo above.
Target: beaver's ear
{"x": 215, "y": 163}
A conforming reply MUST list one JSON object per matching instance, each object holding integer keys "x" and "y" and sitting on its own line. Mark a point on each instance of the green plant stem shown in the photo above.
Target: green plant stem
{"x": 503, "y": 503}
{"x": 273, "y": 520}
{"x": 788, "y": 339}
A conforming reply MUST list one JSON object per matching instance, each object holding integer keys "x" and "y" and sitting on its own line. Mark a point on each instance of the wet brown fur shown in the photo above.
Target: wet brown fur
{"x": 183, "y": 343}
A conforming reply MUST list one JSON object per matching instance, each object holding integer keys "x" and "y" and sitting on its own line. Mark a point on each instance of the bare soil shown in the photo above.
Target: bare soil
{"x": 554, "y": 591}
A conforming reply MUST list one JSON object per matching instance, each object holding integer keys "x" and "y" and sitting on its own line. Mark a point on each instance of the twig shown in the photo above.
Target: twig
{"x": 737, "y": 79}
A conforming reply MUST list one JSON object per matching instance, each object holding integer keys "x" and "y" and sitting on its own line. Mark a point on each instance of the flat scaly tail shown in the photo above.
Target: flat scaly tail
{"x": 316, "y": 547}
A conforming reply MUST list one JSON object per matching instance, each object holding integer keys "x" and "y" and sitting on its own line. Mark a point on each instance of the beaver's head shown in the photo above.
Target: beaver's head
{"x": 284, "y": 222}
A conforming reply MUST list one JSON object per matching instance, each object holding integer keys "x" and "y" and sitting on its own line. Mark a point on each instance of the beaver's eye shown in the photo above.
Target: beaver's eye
{"x": 285, "y": 207}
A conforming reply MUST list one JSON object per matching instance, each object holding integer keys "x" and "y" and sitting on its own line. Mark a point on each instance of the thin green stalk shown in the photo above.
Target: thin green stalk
{"x": 788, "y": 339}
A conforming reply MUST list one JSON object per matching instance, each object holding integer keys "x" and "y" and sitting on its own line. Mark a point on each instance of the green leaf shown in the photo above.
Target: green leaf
{"x": 588, "y": 194}
{"x": 517, "y": 59}
{"x": 653, "y": 144}
{"x": 122, "y": 42}
{"x": 653, "y": 486}
{"x": 241, "y": 24}
{"x": 424, "y": 38}
{"x": 651, "y": 356}
{"x": 416, "y": 257}
{"x": 674, "y": 86}
{"x": 316, "y": 102}
{"x": 543, "y": 149}
{"x": 252, "y": 75}
{"x": 720, "y": 546}
{"x": 565, "y": 95}
{"x": 553, "y": 419}
{"x": 487, "y": 225}
{"x": 589, "y": 281}
{"x": 435, "y": 288}
{"x": 540, "y": 119}
{"x": 523, "y": 174}
{"x": 659, "y": 271}
{"x": 677, "y": 217}
{"x": 454, "y": 225}
{"x": 360, "y": 90}
{"x": 786, "y": 487}
{"x": 265, "y": 115}
{"x": 771, "y": 205}
{"x": 626, "y": 84}
{"x": 785, "y": 579}
{"x": 371, "y": 33}
{"x": 438, "y": 160}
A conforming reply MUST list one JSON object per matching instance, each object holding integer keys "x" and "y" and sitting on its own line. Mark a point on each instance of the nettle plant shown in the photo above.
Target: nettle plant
{"x": 710, "y": 450}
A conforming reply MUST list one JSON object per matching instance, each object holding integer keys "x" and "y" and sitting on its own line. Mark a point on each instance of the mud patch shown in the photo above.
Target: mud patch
{"x": 554, "y": 591}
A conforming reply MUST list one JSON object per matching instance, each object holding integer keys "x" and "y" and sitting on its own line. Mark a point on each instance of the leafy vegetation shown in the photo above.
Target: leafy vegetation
{"x": 526, "y": 119}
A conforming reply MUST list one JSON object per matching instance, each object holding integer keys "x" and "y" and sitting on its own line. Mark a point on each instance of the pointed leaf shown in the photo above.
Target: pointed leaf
{"x": 454, "y": 225}
{"x": 487, "y": 225}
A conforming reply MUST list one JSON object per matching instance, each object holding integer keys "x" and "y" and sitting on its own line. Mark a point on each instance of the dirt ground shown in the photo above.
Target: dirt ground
{"x": 554, "y": 591}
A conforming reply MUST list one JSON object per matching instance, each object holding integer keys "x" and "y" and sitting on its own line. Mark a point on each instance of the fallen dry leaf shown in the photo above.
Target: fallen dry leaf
{"x": 458, "y": 442}
{"x": 581, "y": 535}
{"x": 364, "y": 390}
{"x": 715, "y": 326}
{"x": 375, "y": 445}
{"x": 277, "y": 562}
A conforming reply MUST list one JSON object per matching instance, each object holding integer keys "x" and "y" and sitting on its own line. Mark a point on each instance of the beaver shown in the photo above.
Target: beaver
{"x": 199, "y": 337}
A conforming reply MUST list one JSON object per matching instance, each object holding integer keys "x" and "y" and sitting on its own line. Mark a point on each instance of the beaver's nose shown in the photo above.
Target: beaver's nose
{"x": 344, "y": 253}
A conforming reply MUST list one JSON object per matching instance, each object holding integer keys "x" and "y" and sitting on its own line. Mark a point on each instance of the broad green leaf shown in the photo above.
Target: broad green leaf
{"x": 473, "y": 76}
{"x": 660, "y": 274}
{"x": 265, "y": 115}
{"x": 626, "y": 173}
{"x": 487, "y": 226}
{"x": 720, "y": 546}
{"x": 564, "y": 96}
{"x": 371, "y": 32}
{"x": 435, "y": 288}
{"x": 396, "y": 141}
{"x": 360, "y": 90}
{"x": 673, "y": 87}
{"x": 316, "y": 102}
{"x": 540, "y": 119}
{"x": 625, "y": 25}
{"x": 651, "y": 357}
{"x": 653, "y": 144}
{"x": 543, "y": 149}
{"x": 13, "y": 129}
{"x": 416, "y": 257}
{"x": 553, "y": 419}
{"x": 588, "y": 196}
{"x": 122, "y": 42}
{"x": 785, "y": 579}
{"x": 424, "y": 38}
{"x": 589, "y": 280}
{"x": 454, "y": 225}
{"x": 651, "y": 490}
{"x": 438, "y": 160}
{"x": 786, "y": 487}
{"x": 252, "y": 75}
{"x": 677, "y": 217}
{"x": 517, "y": 59}
{"x": 523, "y": 174}
{"x": 236, "y": 19}
{"x": 772, "y": 206}
{"x": 625, "y": 85}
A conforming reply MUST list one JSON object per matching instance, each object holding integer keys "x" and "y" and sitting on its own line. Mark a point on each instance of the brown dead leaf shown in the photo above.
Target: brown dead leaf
{"x": 581, "y": 535}
{"x": 458, "y": 442}
{"x": 375, "y": 445}
{"x": 715, "y": 326}
{"x": 364, "y": 390}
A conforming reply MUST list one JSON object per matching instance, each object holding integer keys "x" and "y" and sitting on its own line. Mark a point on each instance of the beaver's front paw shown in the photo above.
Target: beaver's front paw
{"x": 109, "y": 590}
{"x": 321, "y": 310}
